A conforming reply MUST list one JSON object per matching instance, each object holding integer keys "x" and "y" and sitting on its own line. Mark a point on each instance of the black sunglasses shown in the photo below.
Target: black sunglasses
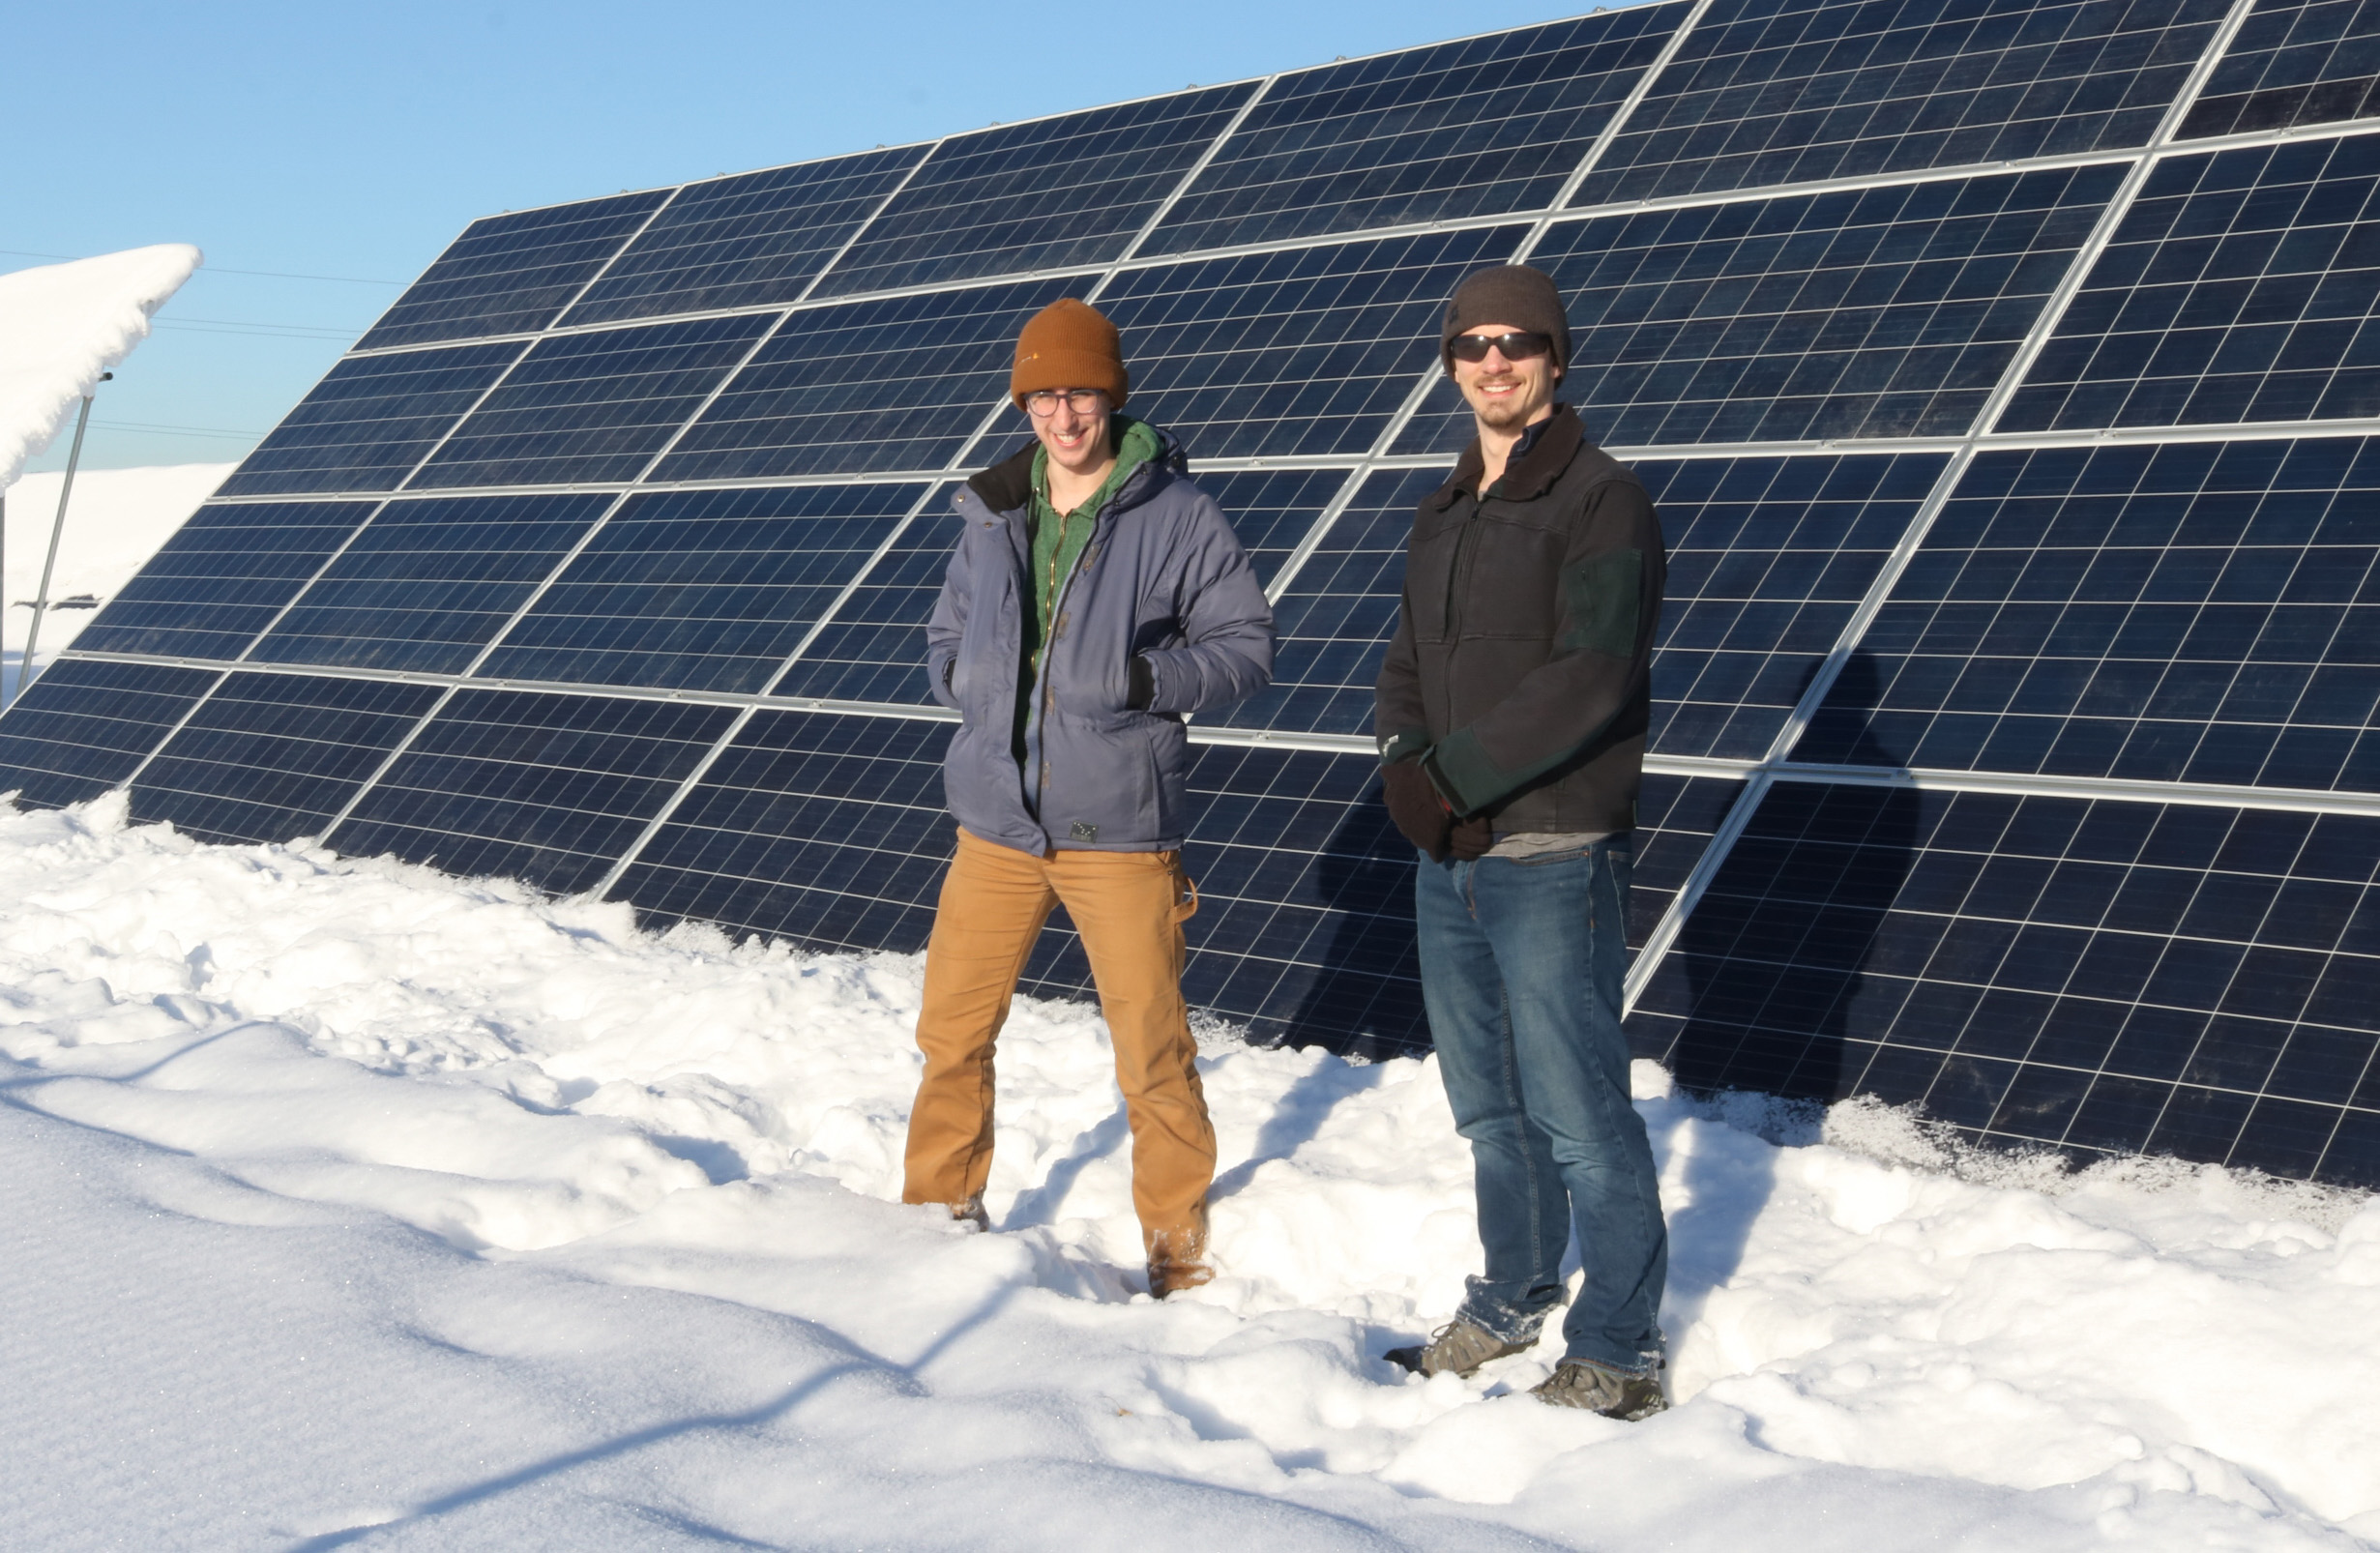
{"x": 1517, "y": 347}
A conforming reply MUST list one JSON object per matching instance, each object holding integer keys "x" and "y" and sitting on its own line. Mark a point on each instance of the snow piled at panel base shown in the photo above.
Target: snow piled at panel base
{"x": 348, "y": 1205}
{"x": 66, "y": 324}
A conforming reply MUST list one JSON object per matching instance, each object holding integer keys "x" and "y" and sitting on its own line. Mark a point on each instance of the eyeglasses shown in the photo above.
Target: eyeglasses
{"x": 1517, "y": 347}
{"x": 1082, "y": 401}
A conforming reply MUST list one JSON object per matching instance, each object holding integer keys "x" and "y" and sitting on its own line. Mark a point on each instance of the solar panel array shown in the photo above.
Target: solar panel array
{"x": 2007, "y": 375}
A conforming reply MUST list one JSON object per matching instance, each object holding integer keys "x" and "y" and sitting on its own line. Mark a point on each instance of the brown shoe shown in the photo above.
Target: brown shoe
{"x": 971, "y": 1211}
{"x": 1178, "y": 1260}
{"x": 1575, "y": 1383}
{"x": 1458, "y": 1348}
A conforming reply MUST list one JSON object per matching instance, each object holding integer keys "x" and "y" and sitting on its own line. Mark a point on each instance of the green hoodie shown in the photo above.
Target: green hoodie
{"x": 1058, "y": 540}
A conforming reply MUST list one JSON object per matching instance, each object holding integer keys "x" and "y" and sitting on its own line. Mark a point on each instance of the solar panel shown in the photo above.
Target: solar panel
{"x": 1047, "y": 195}
{"x": 746, "y": 241}
{"x": 2292, "y": 63}
{"x": 2204, "y": 612}
{"x": 271, "y": 757}
{"x": 2013, "y": 437}
{"x": 1481, "y": 127}
{"x": 513, "y": 272}
{"x": 2242, "y": 286}
{"x": 2097, "y": 977}
{"x": 1795, "y": 91}
{"x": 223, "y": 577}
{"x": 425, "y": 584}
{"x": 706, "y": 590}
{"x": 371, "y": 422}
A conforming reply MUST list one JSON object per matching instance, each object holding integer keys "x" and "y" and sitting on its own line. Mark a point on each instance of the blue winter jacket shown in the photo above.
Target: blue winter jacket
{"x": 1163, "y": 577}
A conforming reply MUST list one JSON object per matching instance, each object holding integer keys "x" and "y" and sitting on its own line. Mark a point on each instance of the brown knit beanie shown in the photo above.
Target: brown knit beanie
{"x": 1507, "y": 294}
{"x": 1069, "y": 344}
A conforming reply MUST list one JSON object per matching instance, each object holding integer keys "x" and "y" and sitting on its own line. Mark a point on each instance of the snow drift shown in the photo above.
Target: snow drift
{"x": 351, "y": 1205}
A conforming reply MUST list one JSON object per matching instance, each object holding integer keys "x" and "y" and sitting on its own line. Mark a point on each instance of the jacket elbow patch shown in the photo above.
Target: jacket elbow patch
{"x": 1603, "y": 594}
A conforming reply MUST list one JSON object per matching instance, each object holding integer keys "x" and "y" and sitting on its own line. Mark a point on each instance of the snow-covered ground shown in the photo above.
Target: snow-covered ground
{"x": 351, "y": 1205}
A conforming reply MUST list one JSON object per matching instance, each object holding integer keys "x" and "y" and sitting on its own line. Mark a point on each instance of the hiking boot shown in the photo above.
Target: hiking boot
{"x": 1575, "y": 1383}
{"x": 1178, "y": 1260}
{"x": 971, "y": 1211}
{"x": 1458, "y": 1348}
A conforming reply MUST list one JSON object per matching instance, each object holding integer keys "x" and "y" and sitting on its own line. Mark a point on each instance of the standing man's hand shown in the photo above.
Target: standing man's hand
{"x": 1421, "y": 816}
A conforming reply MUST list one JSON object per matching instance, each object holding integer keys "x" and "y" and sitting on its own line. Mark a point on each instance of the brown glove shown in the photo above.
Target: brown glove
{"x": 1421, "y": 816}
{"x": 1470, "y": 839}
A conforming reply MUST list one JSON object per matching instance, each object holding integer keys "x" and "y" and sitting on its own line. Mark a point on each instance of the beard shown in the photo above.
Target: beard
{"x": 1510, "y": 412}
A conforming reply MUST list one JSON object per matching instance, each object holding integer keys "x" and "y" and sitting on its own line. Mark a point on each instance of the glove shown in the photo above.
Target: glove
{"x": 1143, "y": 689}
{"x": 1470, "y": 839}
{"x": 1421, "y": 815}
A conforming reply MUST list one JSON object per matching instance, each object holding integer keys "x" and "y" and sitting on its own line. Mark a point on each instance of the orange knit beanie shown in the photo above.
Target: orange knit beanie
{"x": 1069, "y": 344}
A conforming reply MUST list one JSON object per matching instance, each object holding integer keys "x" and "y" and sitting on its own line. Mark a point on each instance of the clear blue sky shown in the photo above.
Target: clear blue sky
{"x": 331, "y": 139}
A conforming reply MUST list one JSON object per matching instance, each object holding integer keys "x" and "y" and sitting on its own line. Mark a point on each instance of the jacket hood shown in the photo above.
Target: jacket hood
{"x": 1008, "y": 485}
{"x": 1531, "y": 477}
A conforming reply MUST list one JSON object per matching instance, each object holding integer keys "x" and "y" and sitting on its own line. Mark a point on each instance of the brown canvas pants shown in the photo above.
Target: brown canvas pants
{"x": 1129, "y": 907}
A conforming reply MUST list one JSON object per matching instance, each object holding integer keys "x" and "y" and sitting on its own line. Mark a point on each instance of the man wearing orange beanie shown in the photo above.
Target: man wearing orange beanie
{"x": 1094, "y": 598}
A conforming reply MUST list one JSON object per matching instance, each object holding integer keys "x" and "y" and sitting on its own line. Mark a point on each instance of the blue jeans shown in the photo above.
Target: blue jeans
{"x": 1522, "y": 962}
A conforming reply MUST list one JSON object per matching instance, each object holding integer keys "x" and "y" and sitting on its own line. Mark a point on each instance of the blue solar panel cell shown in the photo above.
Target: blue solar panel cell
{"x": 700, "y": 589}
{"x": 873, "y": 647}
{"x": 2193, "y": 611}
{"x": 1047, "y": 195}
{"x": 825, "y": 829}
{"x": 367, "y": 424}
{"x": 508, "y": 273}
{"x": 547, "y": 788}
{"x": 223, "y": 577}
{"x": 1475, "y": 127}
{"x": 1337, "y": 614}
{"x": 428, "y": 583}
{"x": 271, "y": 757}
{"x": 1768, "y": 559}
{"x": 1789, "y": 91}
{"x": 743, "y": 242}
{"x": 582, "y": 408}
{"x": 1272, "y": 511}
{"x": 2294, "y": 62}
{"x": 2240, "y": 287}
{"x": 1865, "y": 313}
{"x": 2090, "y": 977}
{"x": 1296, "y": 352}
{"x": 83, "y": 727}
{"x": 895, "y": 384}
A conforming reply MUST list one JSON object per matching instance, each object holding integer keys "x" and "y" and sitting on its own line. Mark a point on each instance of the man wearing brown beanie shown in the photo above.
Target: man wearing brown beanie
{"x": 1094, "y": 598}
{"x": 1511, "y": 716}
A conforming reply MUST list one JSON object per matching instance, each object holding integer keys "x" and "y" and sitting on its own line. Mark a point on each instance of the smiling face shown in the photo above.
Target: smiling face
{"x": 1505, "y": 394}
{"x": 1077, "y": 439}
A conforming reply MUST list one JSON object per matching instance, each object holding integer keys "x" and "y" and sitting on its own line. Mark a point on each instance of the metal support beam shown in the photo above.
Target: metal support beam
{"x": 57, "y": 527}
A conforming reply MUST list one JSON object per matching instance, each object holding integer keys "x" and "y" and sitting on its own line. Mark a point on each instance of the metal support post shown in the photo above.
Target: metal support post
{"x": 65, "y": 488}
